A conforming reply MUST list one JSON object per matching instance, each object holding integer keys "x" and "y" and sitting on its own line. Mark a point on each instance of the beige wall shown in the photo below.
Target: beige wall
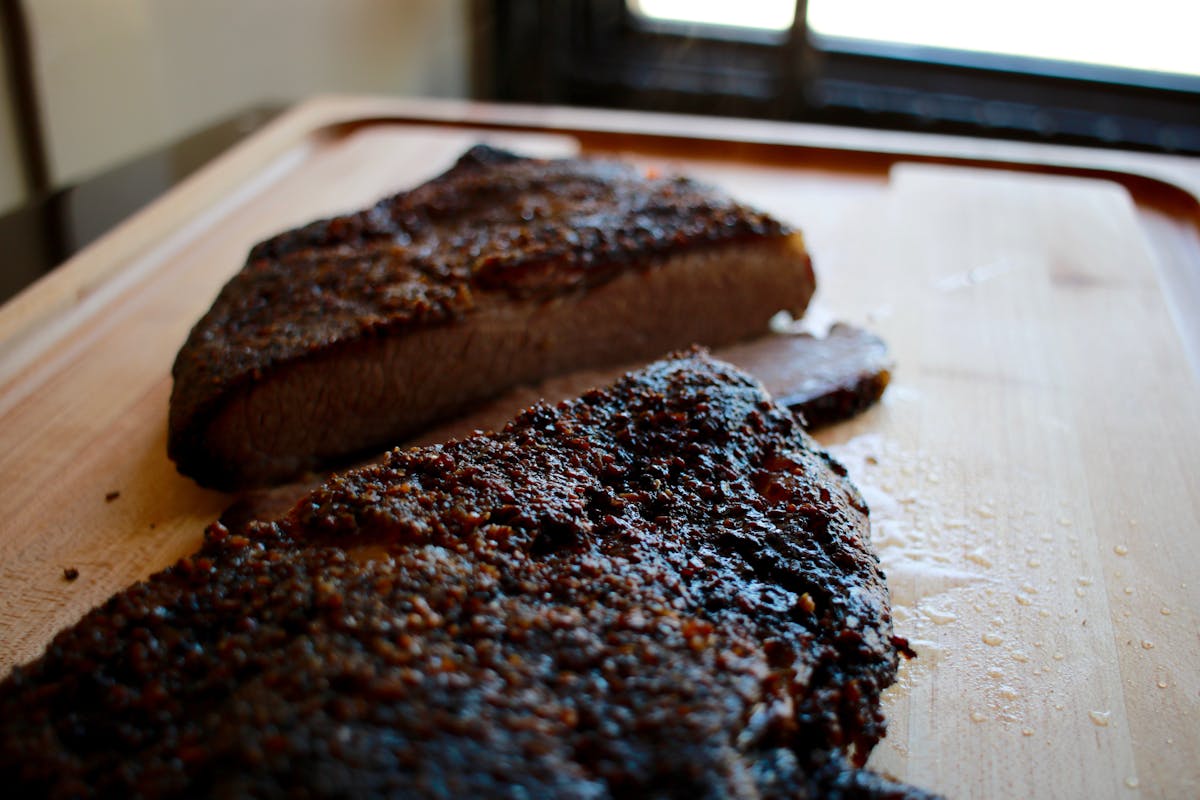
{"x": 118, "y": 77}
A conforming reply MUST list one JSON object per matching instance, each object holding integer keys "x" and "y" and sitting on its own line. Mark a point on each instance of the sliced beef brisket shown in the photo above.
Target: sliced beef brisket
{"x": 350, "y": 334}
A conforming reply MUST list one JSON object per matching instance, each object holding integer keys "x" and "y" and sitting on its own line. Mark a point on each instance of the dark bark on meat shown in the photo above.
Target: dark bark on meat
{"x": 660, "y": 590}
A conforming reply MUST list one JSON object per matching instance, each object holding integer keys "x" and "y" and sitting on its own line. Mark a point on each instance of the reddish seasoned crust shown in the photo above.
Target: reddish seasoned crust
{"x": 663, "y": 589}
{"x": 494, "y": 224}
{"x": 532, "y": 227}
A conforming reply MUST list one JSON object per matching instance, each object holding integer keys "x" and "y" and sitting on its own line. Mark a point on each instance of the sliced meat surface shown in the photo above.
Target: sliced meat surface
{"x": 825, "y": 379}
{"x": 662, "y": 589}
{"x": 350, "y": 334}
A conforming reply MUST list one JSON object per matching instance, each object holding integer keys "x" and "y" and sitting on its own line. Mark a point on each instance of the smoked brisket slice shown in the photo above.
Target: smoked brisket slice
{"x": 350, "y": 334}
{"x": 663, "y": 589}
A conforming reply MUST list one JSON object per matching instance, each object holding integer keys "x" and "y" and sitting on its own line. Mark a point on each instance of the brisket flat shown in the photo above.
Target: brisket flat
{"x": 350, "y": 334}
{"x": 663, "y": 589}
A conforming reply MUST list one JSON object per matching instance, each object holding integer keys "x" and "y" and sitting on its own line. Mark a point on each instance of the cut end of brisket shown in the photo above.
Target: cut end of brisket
{"x": 660, "y": 589}
{"x": 826, "y": 379}
{"x": 351, "y": 333}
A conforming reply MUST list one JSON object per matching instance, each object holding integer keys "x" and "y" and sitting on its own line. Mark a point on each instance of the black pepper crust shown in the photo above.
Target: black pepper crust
{"x": 494, "y": 224}
{"x": 663, "y": 589}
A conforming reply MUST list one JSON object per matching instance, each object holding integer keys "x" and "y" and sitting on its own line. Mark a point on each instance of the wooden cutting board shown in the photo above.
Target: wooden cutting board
{"x": 1032, "y": 469}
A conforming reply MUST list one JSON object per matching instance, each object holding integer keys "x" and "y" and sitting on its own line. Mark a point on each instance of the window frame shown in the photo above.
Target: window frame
{"x": 599, "y": 53}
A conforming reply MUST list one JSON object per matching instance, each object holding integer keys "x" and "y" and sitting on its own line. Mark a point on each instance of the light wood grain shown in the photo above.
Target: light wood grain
{"x": 1036, "y": 484}
{"x": 1031, "y": 470}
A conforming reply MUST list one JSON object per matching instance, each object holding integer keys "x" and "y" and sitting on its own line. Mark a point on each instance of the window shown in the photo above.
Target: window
{"x": 719, "y": 17}
{"x": 1100, "y": 73}
{"x": 1150, "y": 36}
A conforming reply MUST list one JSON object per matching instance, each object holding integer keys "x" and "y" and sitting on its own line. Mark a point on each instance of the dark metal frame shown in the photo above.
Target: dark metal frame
{"x": 14, "y": 30}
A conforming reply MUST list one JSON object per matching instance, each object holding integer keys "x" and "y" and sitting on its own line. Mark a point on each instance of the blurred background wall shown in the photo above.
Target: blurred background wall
{"x": 154, "y": 88}
{"x": 116, "y": 78}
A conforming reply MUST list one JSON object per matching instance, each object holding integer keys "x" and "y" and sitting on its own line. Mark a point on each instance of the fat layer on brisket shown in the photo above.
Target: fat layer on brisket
{"x": 662, "y": 589}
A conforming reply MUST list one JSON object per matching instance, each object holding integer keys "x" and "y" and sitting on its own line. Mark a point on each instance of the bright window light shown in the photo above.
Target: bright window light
{"x": 763, "y": 15}
{"x": 1156, "y": 35}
